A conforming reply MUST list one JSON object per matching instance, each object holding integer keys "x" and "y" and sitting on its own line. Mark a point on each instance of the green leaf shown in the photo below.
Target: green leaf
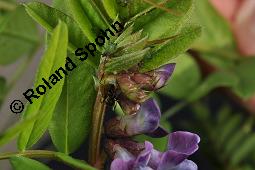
{"x": 217, "y": 79}
{"x": 127, "y": 9}
{"x": 125, "y": 34}
{"x": 94, "y": 14}
{"x": 81, "y": 18}
{"x": 244, "y": 150}
{"x": 223, "y": 115}
{"x": 228, "y": 128}
{"x": 186, "y": 70}
{"x": 71, "y": 120}
{"x": 12, "y": 132}
{"x": 237, "y": 138}
{"x": 160, "y": 24}
{"x": 22, "y": 163}
{"x": 53, "y": 59}
{"x": 111, "y": 8}
{"x": 216, "y": 31}
{"x": 135, "y": 46}
{"x": 48, "y": 17}
{"x": 202, "y": 112}
{"x": 61, "y": 5}
{"x": 177, "y": 45}
{"x": 74, "y": 162}
{"x": 125, "y": 62}
{"x": 245, "y": 71}
{"x": 226, "y": 133}
{"x": 16, "y": 38}
{"x": 130, "y": 39}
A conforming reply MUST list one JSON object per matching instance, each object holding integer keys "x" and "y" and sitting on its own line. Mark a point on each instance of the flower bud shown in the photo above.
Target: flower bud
{"x": 155, "y": 79}
{"x": 145, "y": 81}
{"x": 131, "y": 90}
{"x": 162, "y": 74}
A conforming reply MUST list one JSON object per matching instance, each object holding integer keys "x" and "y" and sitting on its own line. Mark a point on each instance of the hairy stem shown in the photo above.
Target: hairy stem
{"x": 97, "y": 120}
{"x": 97, "y": 123}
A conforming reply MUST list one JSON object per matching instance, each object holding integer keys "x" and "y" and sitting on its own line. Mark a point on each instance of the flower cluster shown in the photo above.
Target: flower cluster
{"x": 142, "y": 113}
{"x": 131, "y": 155}
{"x": 142, "y": 116}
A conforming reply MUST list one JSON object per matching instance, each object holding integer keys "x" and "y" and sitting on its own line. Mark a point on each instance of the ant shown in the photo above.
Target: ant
{"x": 110, "y": 91}
{"x": 111, "y": 96}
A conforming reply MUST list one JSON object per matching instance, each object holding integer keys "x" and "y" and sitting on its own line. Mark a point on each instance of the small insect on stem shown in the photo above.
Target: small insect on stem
{"x": 112, "y": 95}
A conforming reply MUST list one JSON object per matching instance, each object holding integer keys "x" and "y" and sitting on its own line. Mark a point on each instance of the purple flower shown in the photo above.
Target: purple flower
{"x": 126, "y": 161}
{"x": 180, "y": 146}
{"x": 145, "y": 121}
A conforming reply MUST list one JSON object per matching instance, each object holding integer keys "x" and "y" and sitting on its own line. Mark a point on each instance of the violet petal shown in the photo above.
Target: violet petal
{"x": 155, "y": 159}
{"x": 118, "y": 164}
{"x": 183, "y": 142}
{"x": 123, "y": 154}
{"x": 171, "y": 159}
{"x": 145, "y": 121}
{"x": 163, "y": 74}
{"x": 185, "y": 165}
{"x": 144, "y": 157}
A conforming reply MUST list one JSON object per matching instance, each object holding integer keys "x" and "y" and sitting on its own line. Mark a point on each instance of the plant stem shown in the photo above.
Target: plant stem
{"x": 30, "y": 154}
{"x": 94, "y": 4}
{"x": 97, "y": 120}
{"x": 173, "y": 110}
{"x": 97, "y": 123}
